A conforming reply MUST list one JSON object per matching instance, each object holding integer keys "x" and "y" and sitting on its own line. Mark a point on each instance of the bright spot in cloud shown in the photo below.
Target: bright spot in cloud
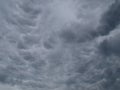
{"x": 65, "y": 10}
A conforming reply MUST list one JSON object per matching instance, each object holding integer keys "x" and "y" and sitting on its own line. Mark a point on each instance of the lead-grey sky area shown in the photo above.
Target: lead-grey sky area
{"x": 59, "y": 45}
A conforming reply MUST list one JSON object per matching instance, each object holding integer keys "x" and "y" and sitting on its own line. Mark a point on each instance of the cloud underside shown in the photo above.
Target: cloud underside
{"x": 60, "y": 45}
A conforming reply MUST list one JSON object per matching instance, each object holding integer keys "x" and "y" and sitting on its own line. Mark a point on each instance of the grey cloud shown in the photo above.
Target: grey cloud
{"x": 111, "y": 44}
{"x": 3, "y": 78}
{"x": 77, "y": 33}
{"x": 40, "y": 51}
{"x": 110, "y": 19}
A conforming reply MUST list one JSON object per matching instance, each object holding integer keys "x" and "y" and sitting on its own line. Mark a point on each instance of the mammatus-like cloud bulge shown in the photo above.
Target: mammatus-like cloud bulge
{"x": 42, "y": 47}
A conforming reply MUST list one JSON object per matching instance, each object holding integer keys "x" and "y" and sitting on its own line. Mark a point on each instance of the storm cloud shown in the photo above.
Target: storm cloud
{"x": 59, "y": 45}
{"x": 110, "y": 19}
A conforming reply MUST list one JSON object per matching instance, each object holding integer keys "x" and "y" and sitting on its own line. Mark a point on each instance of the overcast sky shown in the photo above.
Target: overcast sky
{"x": 59, "y": 44}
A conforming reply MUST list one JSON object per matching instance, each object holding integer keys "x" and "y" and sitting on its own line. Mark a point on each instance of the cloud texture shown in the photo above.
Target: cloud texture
{"x": 60, "y": 44}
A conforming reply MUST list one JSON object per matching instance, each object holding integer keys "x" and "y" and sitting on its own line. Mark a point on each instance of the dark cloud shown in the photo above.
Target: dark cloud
{"x": 110, "y": 19}
{"x": 109, "y": 22}
{"x": 3, "y": 78}
{"x": 111, "y": 44}
{"x": 44, "y": 56}
{"x": 68, "y": 36}
{"x": 77, "y": 33}
{"x": 111, "y": 77}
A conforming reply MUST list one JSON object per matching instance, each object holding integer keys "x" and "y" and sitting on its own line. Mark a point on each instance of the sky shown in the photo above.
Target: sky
{"x": 59, "y": 45}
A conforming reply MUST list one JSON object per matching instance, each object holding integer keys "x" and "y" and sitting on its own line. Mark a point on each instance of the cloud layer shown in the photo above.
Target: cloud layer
{"x": 60, "y": 45}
